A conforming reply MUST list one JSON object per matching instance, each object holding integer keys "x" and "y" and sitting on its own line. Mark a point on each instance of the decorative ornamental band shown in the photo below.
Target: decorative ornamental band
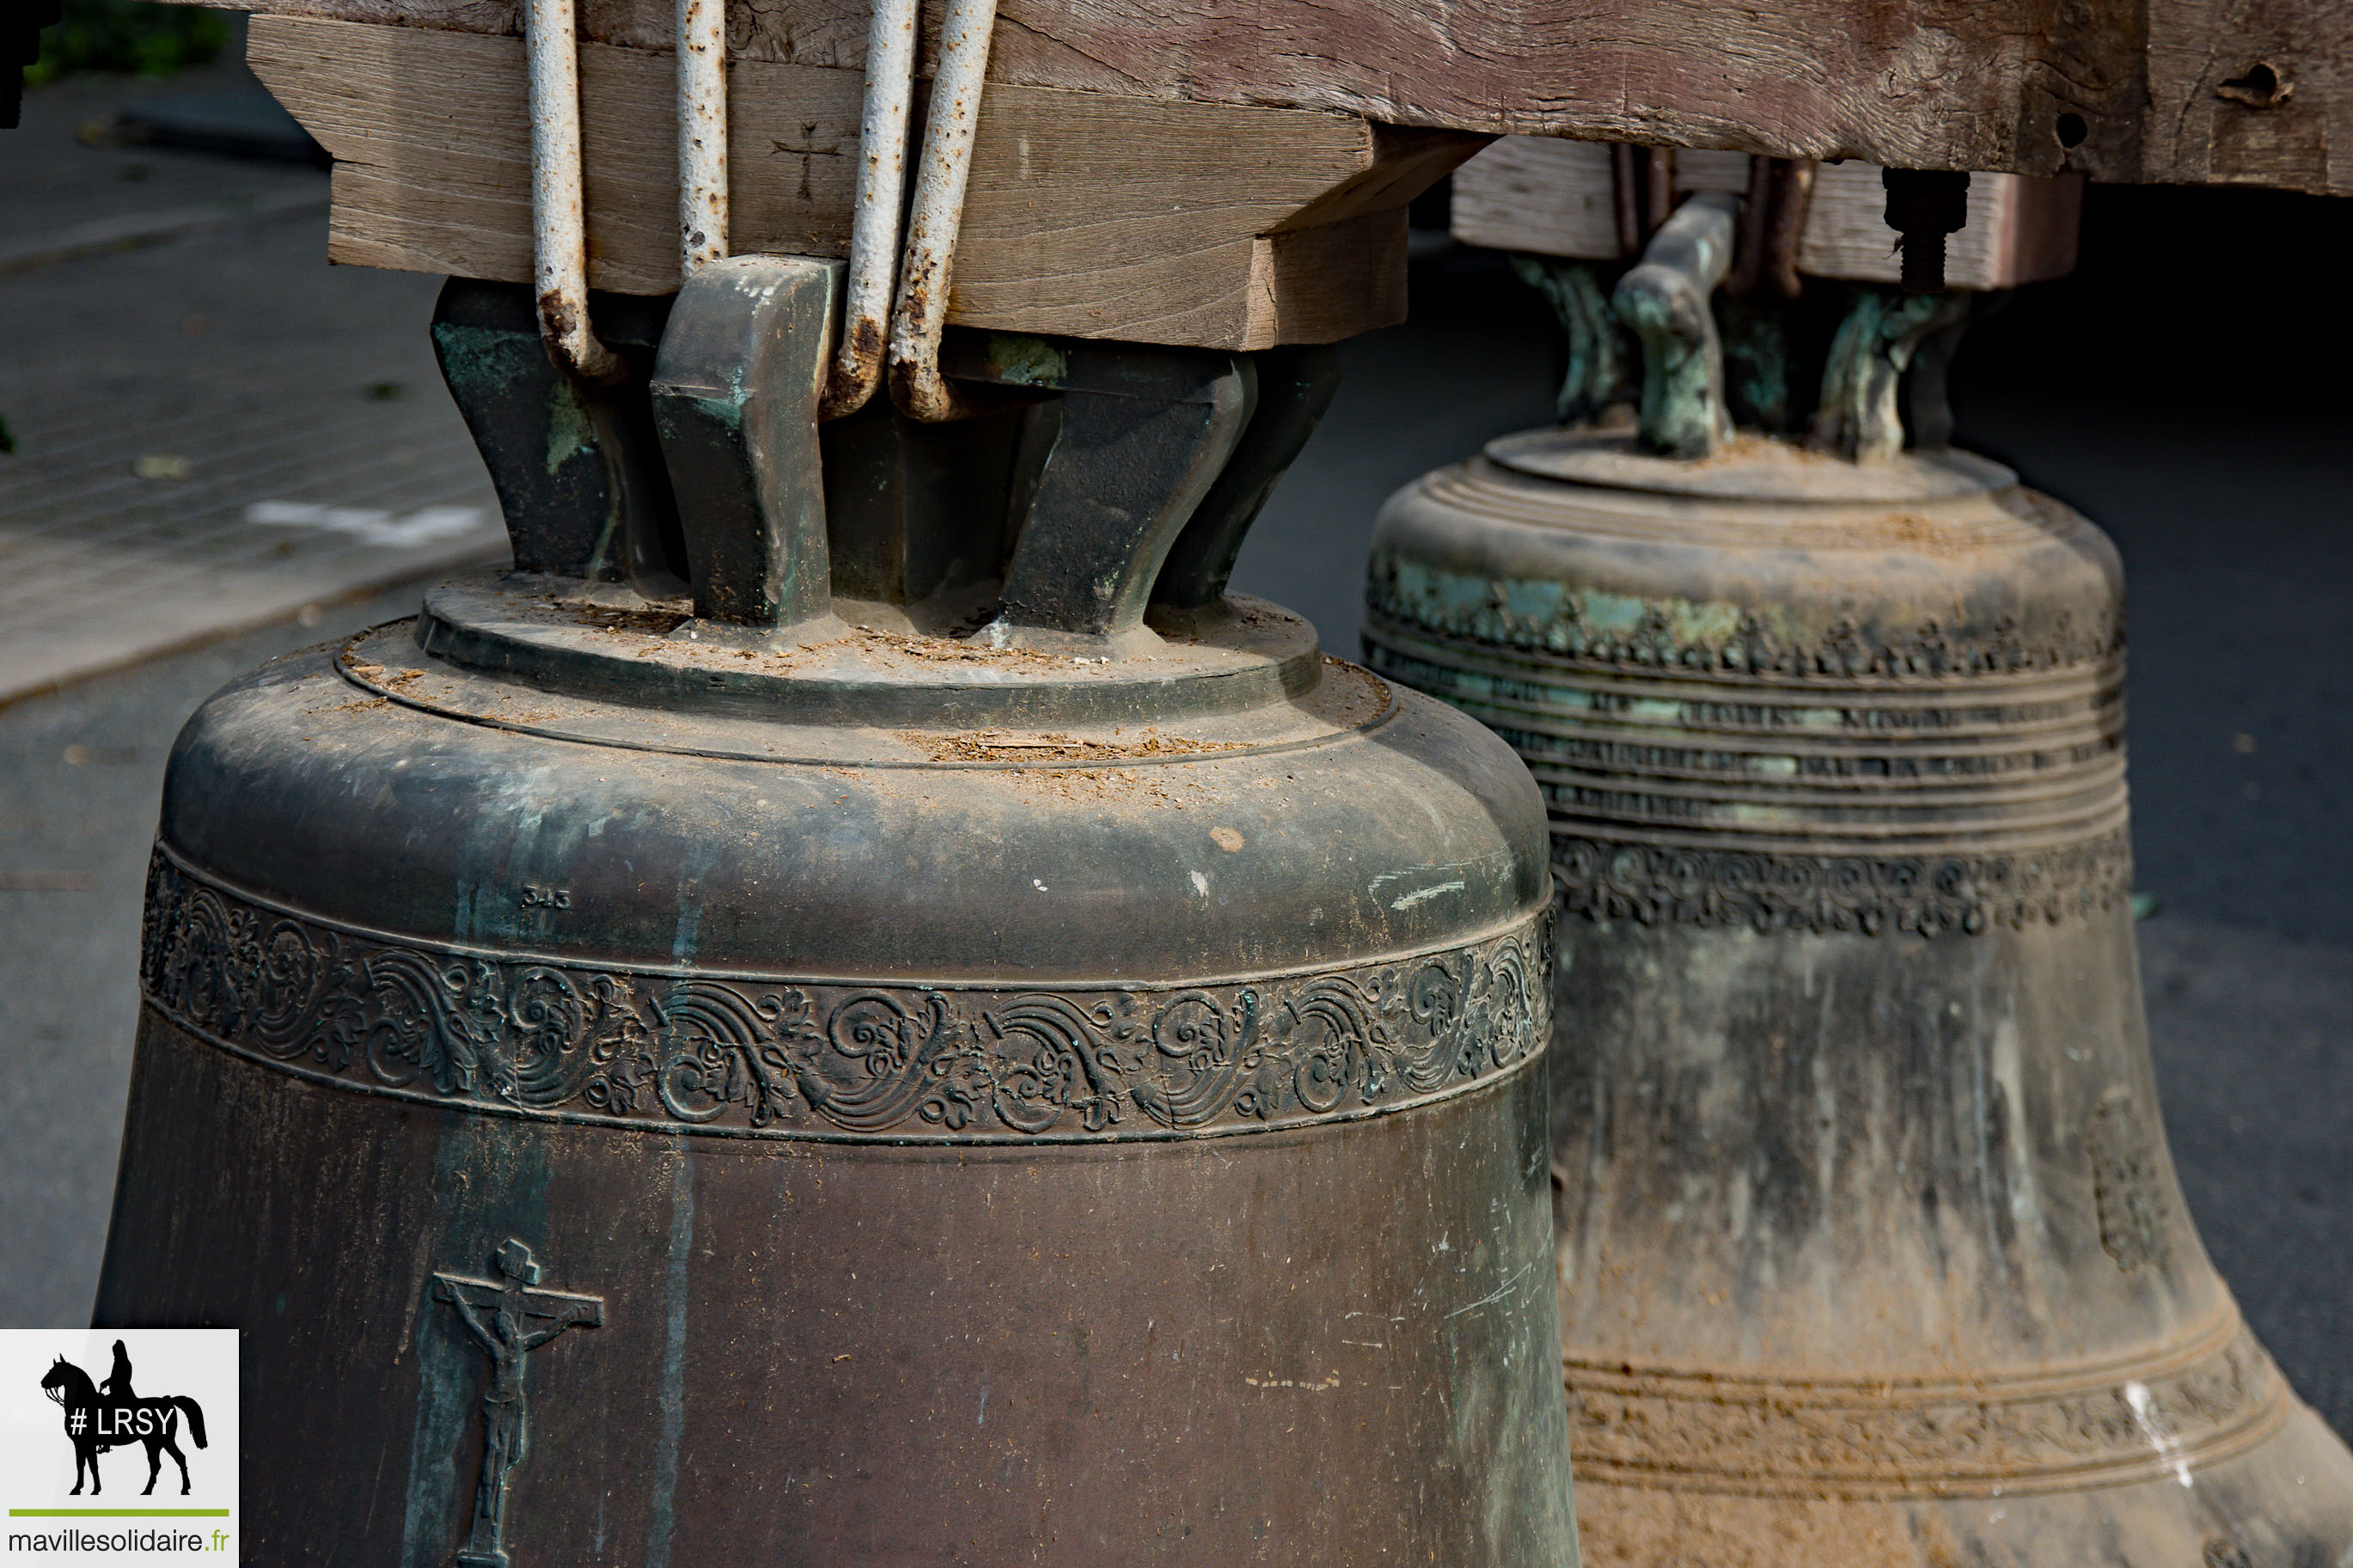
{"x": 1555, "y": 619}
{"x": 788, "y": 1058}
{"x": 1929, "y": 894}
{"x": 2195, "y": 1404}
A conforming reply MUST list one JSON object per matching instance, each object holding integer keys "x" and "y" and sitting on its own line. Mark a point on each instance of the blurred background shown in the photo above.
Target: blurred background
{"x": 215, "y": 448}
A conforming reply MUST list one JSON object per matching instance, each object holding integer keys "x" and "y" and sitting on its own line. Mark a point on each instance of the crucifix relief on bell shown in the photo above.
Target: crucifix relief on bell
{"x": 508, "y": 1318}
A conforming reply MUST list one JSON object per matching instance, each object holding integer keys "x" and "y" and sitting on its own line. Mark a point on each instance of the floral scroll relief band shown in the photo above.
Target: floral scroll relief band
{"x": 795, "y": 1059}
{"x": 1927, "y": 894}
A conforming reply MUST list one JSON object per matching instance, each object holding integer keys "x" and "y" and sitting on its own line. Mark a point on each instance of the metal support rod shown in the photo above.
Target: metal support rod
{"x": 1772, "y": 225}
{"x": 1642, "y": 193}
{"x": 1923, "y": 205}
{"x": 916, "y": 385}
{"x": 701, "y": 133}
{"x": 874, "y": 218}
{"x": 559, "y": 233}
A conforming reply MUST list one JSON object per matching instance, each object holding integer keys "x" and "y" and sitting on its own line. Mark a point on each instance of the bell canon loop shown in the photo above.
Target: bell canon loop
{"x": 990, "y": 1063}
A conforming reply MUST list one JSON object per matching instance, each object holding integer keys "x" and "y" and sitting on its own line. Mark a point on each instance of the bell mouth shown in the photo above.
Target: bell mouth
{"x": 1749, "y": 467}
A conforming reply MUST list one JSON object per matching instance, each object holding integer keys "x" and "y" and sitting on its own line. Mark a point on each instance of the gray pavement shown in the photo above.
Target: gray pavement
{"x": 2229, "y": 507}
{"x": 211, "y": 427}
{"x": 80, "y": 773}
{"x": 248, "y": 375}
{"x": 63, "y": 174}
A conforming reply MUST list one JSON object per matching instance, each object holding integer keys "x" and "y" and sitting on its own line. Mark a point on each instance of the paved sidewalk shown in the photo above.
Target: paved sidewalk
{"x": 161, "y": 517}
{"x": 80, "y": 773}
{"x": 61, "y": 174}
{"x": 212, "y": 429}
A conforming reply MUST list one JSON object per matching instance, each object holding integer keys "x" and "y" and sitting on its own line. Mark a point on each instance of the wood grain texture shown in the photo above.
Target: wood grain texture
{"x": 2251, "y": 92}
{"x": 1944, "y": 83}
{"x": 1551, "y": 197}
{"x": 1145, "y": 220}
{"x": 2120, "y": 89}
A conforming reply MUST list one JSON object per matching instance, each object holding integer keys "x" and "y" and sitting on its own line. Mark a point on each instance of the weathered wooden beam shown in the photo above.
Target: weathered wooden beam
{"x": 1144, "y": 219}
{"x": 2255, "y": 93}
{"x": 1551, "y": 197}
{"x": 2195, "y": 91}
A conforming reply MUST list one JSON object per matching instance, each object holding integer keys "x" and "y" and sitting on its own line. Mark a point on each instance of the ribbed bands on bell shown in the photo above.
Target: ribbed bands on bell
{"x": 1755, "y": 717}
{"x": 2206, "y": 1397}
{"x": 2005, "y": 762}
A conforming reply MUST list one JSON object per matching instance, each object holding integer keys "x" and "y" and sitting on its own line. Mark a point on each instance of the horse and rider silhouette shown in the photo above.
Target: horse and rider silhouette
{"x": 99, "y": 1416}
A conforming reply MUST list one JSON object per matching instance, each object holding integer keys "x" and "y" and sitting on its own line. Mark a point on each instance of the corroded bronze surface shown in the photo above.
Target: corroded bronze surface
{"x": 1308, "y": 1345}
{"x": 738, "y": 1131}
{"x": 1868, "y": 1242}
{"x": 940, "y": 1036}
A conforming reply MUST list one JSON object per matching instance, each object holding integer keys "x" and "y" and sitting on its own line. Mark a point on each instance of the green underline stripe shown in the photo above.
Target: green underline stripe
{"x": 118, "y": 1514}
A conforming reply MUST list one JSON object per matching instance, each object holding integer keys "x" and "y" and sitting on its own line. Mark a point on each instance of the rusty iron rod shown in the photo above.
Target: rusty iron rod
{"x": 916, "y": 385}
{"x": 1658, "y": 190}
{"x": 559, "y": 235}
{"x": 1772, "y": 225}
{"x": 1749, "y": 249}
{"x": 1642, "y": 192}
{"x": 1626, "y": 198}
{"x": 874, "y": 220}
{"x": 701, "y": 133}
{"x": 1785, "y": 226}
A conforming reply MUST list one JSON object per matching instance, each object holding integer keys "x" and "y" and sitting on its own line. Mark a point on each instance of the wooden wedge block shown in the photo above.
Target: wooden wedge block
{"x": 1089, "y": 215}
{"x": 1551, "y": 197}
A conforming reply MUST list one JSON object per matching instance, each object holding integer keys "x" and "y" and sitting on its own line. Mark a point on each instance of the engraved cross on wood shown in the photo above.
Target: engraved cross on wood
{"x": 807, "y": 150}
{"x": 509, "y": 1319}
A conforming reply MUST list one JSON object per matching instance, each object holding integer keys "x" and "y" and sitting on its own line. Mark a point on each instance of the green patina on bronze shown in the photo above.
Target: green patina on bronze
{"x": 1860, "y": 416}
{"x": 1601, "y": 357}
{"x": 1022, "y": 361}
{"x": 642, "y": 1027}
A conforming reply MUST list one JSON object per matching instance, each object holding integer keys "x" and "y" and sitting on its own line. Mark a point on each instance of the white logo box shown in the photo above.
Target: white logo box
{"x": 183, "y": 1381}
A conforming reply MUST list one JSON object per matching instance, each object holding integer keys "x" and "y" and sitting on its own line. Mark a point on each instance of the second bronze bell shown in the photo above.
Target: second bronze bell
{"x": 1869, "y": 1245}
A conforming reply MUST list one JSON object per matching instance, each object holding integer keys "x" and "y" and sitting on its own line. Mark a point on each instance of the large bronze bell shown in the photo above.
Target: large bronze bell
{"x": 875, "y": 1018}
{"x": 1869, "y": 1245}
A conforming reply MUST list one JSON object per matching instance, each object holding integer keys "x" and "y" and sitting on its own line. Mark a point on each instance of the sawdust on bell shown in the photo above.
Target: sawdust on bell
{"x": 1055, "y": 748}
{"x": 377, "y": 675}
{"x": 645, "y": 622}
{"x": 1639, "y": 1527}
